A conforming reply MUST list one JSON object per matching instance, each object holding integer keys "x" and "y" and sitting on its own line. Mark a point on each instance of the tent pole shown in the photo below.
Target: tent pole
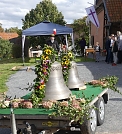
{"x": 23, "y": 41}
{"x": 72, "y": 39}
{"x": 66, "y": 41}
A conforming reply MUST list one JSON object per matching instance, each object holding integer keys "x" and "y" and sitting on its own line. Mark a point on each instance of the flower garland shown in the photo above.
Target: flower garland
{"x": 106, "y": 82}
{"x": 66, "y": 59}
{"x": 42, "y": 70}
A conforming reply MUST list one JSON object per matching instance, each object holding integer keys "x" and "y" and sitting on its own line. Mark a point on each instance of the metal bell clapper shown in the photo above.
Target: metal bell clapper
{"x": 56, "y": 88}
{"x": 74, "y": 81}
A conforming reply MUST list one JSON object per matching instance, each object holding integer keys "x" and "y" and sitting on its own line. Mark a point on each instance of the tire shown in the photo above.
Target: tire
{"x": 100, "y": 105}
{"x": 89, "y": 126}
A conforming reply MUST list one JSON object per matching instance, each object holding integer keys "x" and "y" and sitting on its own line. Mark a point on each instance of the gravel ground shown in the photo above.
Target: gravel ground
{"x": 87, "y": 71}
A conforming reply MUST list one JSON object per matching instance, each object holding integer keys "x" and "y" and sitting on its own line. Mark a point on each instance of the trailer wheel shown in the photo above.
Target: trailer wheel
{"x": 89, "y": 126}
{"x": 100, "y": 105}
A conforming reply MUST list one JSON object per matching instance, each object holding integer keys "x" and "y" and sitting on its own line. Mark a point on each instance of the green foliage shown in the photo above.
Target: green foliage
{"x": 111, "y": 82}
{"x": 13, "y": 30}
{"x": 80, "y": 28}
{"x": 1, "y": 29}
{"x": 107, "y": 82}
{"x": 74, "y": 109}
{"x": 16, "y": 51}
{"x": 5, "y": 49}
{"x": 45, "y": 10}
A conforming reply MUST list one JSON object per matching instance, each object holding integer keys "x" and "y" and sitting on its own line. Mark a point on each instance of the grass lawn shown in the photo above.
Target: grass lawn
{"x": 6, "y": 66}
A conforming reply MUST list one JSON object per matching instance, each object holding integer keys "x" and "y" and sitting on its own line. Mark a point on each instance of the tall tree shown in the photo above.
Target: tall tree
{"x": 81, "y": 29}
{"x": 45, "y": 10}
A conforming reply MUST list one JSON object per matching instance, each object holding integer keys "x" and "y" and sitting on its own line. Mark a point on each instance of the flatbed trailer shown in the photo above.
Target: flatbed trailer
{"x": 38, "y": 121}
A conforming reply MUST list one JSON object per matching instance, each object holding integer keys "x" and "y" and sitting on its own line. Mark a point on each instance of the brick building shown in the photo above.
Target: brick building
{"x": 109, "y": 14}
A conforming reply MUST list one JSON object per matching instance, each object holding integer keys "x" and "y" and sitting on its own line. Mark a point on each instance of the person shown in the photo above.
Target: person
{"x": 115, "y": 51}
{"x": 120, "y": 49}
{"x": 110, "y": 53}
{"x": 82, "y": 44}
{"x": 52, "y": 42}
{"x": 97, "y": 51}
{"x": 107, "y": 45}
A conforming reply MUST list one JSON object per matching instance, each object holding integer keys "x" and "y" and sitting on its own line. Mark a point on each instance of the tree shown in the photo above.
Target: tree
{"x": 1, "y": 29}
{"x": 14, "y": 30}
{"x": 45, "y": 10}
{"x": 80, "y": 28}
{"x": 5, "y": 48}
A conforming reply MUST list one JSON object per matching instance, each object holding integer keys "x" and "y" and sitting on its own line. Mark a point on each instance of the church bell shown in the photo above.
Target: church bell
{"x": 74, "y": 81}
{"x": 56, "y": 88}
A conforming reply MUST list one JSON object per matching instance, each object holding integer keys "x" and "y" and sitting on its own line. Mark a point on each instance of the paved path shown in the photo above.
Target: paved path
{"x": 87, "y": 71}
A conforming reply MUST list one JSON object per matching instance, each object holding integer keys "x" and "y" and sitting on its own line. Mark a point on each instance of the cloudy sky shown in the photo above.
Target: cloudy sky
{"x": 12, "y": 11}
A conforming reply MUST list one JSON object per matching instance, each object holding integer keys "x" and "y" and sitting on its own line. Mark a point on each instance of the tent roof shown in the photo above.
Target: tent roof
{"x": 46, "y": 28}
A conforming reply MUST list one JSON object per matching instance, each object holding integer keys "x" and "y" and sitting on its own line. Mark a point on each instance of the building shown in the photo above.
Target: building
{"x": 109, "y": 14}
{"x": 8, "y": 36}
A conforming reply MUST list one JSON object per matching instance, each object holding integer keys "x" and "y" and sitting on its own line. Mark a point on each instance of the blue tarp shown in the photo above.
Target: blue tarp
{"x": 46, "y": 28}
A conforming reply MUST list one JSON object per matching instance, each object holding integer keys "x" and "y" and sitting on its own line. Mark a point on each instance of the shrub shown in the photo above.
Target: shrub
{"x": 5, "y": 48}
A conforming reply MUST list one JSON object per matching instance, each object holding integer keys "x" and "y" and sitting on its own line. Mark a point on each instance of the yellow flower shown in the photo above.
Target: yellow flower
{"x": 41, "y": 87}
{"x": 70, "y": 54}
{"x": 46, "y": 58}
{"x": 43, "y": 56}
{"x": 48, "y": 52}
{"x": 67, "y": 62}
{"x": 64, "y": 58}
{"x": 44, "y": 69}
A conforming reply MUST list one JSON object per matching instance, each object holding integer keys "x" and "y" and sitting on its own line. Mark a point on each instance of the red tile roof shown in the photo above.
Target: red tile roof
{"x": 8, "y": 36}
{"x": 114, "y": 8}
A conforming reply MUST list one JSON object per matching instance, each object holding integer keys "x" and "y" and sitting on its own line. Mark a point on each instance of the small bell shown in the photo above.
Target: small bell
{"x": 74, "y": 81}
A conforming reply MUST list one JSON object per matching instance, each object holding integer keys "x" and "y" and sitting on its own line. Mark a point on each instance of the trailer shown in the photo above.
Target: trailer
{"x": 39, "y": 121}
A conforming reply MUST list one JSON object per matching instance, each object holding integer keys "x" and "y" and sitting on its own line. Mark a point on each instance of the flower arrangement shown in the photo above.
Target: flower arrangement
{"x": 66, "y": 59}
{"x": 106, "y": 82}
{"x": 16, "y": 103}
{"x": 75, "y": 109}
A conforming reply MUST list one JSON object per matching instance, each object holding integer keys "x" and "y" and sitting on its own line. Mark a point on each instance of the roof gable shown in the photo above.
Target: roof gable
{"x": 114, "y": 9}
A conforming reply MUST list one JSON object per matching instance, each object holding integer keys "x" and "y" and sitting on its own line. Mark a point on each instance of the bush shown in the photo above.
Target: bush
{"x": 5, "y": 48}
{"x": 17, "y": 50}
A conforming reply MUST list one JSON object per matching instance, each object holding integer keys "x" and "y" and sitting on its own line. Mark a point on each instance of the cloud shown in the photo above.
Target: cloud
{"x": 11, "y": 11}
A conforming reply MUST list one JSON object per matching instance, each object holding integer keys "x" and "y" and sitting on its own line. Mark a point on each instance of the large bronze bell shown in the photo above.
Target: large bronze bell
{"x": 56, "y": 88}
{"x": 74, "y": 81}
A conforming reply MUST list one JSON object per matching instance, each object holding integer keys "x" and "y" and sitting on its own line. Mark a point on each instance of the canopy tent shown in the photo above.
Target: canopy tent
{"x": 45, "y": 28}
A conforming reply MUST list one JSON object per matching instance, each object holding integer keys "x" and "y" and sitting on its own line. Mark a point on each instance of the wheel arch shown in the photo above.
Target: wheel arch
{"x": 105, "y": 97}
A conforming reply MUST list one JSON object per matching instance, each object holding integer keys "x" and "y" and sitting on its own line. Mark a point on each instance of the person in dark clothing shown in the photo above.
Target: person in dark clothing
{"x": 115, "y": 51}
{"x": 107, "y": 46}
{"x": 82, "y": 44}
{"x": 110, "y": 53}
{"x": 52, "y": 42}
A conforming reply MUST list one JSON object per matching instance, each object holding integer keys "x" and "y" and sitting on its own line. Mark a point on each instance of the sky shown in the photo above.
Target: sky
{"x": 12, "y": 11}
